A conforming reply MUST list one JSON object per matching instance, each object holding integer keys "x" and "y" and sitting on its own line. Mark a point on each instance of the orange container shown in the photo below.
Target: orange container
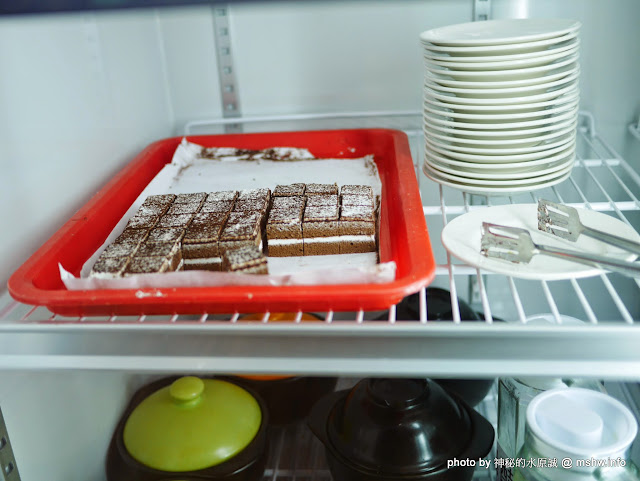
{"x": 288, "y": 398}
{"x": 275, "y": 317}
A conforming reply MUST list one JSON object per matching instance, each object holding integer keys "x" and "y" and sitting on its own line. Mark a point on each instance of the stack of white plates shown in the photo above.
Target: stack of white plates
{"x": 501, "y": 104}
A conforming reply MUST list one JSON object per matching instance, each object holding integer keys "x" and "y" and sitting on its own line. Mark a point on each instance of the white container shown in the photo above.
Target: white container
{"x": 514, "y": 396}
{"x": 583, "y": 435}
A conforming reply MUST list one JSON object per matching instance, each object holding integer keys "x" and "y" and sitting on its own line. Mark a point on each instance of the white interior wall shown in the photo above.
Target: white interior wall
{"x": 60, "y": 423}
{"x": 348, "y": 56}
{"x": 80, "y": 95}
{"x": 187, "y": 37}
{"x": 609, "y": 77}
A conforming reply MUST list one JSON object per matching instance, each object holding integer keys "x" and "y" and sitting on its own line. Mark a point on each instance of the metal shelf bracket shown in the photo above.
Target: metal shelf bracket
{"x": 587, "y": 123}
{"x": 481, "y": 10}
{"x": 8, "y": 466}
{"x": 226, "y": 70}
{"x": 634, "y": 128}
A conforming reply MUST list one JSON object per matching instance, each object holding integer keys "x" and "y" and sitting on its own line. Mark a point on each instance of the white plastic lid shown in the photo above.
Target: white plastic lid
{"x": 580, "y": 423}
{"x": 545, "y": 319}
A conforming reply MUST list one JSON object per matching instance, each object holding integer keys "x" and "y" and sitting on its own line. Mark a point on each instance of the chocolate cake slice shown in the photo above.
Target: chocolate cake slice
{"x": 166, "y": 250}
{"x": 321, "y": 189}
{"x": 197, "y": 197}
{"x": 178, "y": 220}
{"x": 322, "y": 200}
{"x": 254, "y": 194}
{"x": 162, "y": 235}
{"x": 357, "y": 190}
{"x": 320, "y": 230}
{"x": 287, "y": 203}
{"x": 109, "y": 267}
{"x": 246, "y": 260}
{"x": 238, "y": 235}
{"x": 244, "y": 218}
{"x": 290, "y": 190}
{"x": 321, "y": 213}
{"x": 258, "y": 204}
{"x": 143, "y": 221}
{"x": 119, "y": 250}
{"x": 200, "y": 249}
{"x": 147, "y": 265}
{"x": 254, "y": 200}
{"x": 357, "y": 212}
{"x": 357, "y": 199}
{"x": 163, "y": 199}
{"x": 357, "y": 229}
{"x": 205, "y": 218}
{"x": 186, "y": 208}
{"x": 228, "y": 195}
{"x": 132, "y": 237}
{"x": 153, "y": 209}
{"x": 284, "y": 228}
{"x": 221, "y": 205}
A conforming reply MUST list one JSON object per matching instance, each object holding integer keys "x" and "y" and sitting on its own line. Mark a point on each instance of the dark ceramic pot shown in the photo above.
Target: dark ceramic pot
{"x": 401, "y": 430}
{"x": 473, "y": 391}
{"x": 289, "y": 399}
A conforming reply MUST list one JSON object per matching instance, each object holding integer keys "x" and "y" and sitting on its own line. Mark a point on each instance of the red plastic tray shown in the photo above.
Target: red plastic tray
{"x": 403, "y": 237}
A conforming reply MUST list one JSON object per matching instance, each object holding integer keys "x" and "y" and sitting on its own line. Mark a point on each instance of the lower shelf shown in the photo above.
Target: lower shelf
{"x": 297, "y": 455}
{"x": 307, "y": 463}
{"x": 85, "y": 407}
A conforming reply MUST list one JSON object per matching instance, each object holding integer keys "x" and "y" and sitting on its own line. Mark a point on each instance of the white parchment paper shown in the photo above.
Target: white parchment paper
{"x": 187, "y": 173}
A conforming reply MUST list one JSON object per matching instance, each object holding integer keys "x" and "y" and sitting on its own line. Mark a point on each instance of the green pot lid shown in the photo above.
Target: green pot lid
{"x": 192, "y": 424}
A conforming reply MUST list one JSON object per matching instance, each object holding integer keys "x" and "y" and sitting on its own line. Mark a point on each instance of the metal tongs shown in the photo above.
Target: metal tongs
{"x": 514, "y": 244}
{"x": 564, "y": 222}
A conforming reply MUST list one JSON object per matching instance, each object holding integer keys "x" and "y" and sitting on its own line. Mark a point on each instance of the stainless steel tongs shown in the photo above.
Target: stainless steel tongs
{"x": 514, "y": 244}
{"x": 564, "y": 222}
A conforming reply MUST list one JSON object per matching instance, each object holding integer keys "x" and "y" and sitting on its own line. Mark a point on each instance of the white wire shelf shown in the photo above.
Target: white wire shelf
{"x": 31, "y": 337}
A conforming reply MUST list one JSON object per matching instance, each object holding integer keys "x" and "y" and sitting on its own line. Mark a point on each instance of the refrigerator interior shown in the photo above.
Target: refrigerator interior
{"x": 83, "y": 93}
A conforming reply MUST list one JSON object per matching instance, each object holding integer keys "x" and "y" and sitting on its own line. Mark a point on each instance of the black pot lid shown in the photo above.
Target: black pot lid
{"x": 438, "y": 307}
{"x": 398, "y": 426}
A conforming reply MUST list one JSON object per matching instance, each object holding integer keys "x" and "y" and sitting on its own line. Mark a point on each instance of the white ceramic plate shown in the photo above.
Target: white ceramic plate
{"x": 533, "y": 134}
{"x": 504, "y": 174}
{"x": 500, "y": 160}
{"x": 550, "y": 76}
{"x": 451, "y": 146}
{"x": 500, "y": 32}
{"x": 501, "y": 64}
{"x": 495, "y": 109}
{"x": 506, "y": 49}
{"x": 500, "y": 143}
{"x": 512, "y": 74}
{"x": 501, "y": 92}
{"x": 497, "y": 116}
{"x": 502, "y": 132}
{"x": 499, "y": 182}
{"x": 430, "y": 119}
{"x": 505, "y": 189}
{"x": 557, "y": 48}
{"x": 515, "y": 158}
{"x": 461, "y": 237}
{"x": 524, "y": 99}
{"x": 565, "y": 156}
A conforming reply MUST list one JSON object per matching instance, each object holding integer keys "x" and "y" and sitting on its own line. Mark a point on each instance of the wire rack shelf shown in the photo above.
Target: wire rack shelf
{"x": 350, "y": 343}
